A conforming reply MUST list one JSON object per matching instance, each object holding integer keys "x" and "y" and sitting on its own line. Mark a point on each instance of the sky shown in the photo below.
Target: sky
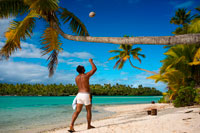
{"x": 114, "y": 18}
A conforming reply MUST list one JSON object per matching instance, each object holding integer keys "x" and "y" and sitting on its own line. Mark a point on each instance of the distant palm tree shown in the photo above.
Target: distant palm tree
{"x": 182, "y": 18}
{"x": 125, "y": 54}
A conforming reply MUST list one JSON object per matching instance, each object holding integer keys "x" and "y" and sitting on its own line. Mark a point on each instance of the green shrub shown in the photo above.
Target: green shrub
{"x": 197, "y": 98}
{"x": 185, "y": 97}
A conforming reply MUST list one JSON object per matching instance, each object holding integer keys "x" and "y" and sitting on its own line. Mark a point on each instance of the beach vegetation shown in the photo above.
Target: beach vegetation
{"x": 185, "y": 97}
{"x": 71, "y": 89}
{"x": 181, "y": 66}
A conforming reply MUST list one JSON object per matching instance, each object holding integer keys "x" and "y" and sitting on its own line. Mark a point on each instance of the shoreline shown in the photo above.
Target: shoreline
{"x": 126, "y": 117}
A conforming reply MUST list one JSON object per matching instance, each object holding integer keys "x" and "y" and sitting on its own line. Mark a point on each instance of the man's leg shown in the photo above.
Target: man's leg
{"x": 75, "y": 115}
{"x": 89, "y": 115}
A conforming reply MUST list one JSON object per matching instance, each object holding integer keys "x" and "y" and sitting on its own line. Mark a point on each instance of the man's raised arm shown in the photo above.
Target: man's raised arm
{"x": 94, "y": 68}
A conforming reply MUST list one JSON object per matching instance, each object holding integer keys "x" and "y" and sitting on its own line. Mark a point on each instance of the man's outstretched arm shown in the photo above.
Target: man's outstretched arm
{"x": 94, "y": 68}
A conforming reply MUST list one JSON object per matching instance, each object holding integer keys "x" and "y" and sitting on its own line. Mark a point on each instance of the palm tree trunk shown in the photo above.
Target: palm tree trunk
{"x": 161, "y": 40}
{"x": 141, "y": 68}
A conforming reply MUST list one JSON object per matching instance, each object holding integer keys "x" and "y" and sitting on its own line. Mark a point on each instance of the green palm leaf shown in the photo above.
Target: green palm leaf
{"x": 43, "y": 7}
{"x": 52, "y": 44}
{"x": 115, "y": 51}
{"x": 18, "y": 30}
{"x": 75, "y": 23}
{"x": 114, "y": 57}
{"x": 196, "y": 60}
{"x": 9, "y": 8}
{"x": 53, "y": 62}
{"x": 194, "y": 27}
{"x": 117, "y": 63}
{"x": 121, "y": 64}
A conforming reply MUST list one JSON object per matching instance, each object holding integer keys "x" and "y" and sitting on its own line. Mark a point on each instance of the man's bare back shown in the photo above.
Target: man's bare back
{"x": 82, "y": 80}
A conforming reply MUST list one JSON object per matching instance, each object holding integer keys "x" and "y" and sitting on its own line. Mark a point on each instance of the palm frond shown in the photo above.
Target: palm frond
{"x": 196, "y": 60}
{"x": 43, "y": 7}
{"x": 10, "y": 47}
{"x": 75, "y": 23}
{"x": 121, "y": 64}
{"x": 117, "y": 63}
{"x": 157, "y": 78}
{"x": 142, "y": 55}
{"x": 52, "y": 44}
{"x": 136, "y": 49}
{"x": 181, "y": 17}
{"x": 115, "y": 51}
{"x": 114, "y": 57}
{"x": 9, "y": 8}
{"x": 18, "y": 30}
{"x": 53, "y": 62}
{"x": 194, "y": 27}
{"x": 198, "y": 8}
{"x": 50, "y": 41}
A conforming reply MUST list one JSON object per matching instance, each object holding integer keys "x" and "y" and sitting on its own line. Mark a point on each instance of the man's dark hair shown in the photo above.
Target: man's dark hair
{"x": 79, "y": 69}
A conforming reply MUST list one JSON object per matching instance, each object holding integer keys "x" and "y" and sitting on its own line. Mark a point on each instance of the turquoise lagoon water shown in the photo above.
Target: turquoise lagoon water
{"x": 21, "y": 113}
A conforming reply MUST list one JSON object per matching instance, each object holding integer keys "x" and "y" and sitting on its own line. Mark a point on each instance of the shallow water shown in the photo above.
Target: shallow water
{"x": 19, "y": 113}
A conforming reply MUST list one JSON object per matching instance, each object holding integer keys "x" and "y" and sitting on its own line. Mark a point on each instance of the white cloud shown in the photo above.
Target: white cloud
{"x": 178, "y": 4}
{"x": 104, "y": 64}
{"x": 4, "y": 24}
{"x": 31, "y": 51}
{"x": 81, "y": 55}
{"x": 140, "y": 79}
{"x": 21, "y": 72}
{"x": 123, "y": 73}
{"x": 76, "y": 63}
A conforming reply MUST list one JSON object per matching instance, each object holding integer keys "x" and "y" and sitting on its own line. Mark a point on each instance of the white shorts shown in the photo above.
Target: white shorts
{"x": 83, "y": 98}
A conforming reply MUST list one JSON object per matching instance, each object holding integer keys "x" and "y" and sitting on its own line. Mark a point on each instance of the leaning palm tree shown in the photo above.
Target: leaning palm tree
{"x": 51, "y": 12}
{"x": 125, "y": 54}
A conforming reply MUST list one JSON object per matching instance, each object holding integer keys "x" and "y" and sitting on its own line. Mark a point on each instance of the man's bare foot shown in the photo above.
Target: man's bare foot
{"x": 71, "y": 129}
{"x": 89, "y": 127}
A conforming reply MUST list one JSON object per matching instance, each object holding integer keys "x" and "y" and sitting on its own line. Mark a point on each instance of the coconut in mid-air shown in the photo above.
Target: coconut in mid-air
{"x": 92, "y": 14}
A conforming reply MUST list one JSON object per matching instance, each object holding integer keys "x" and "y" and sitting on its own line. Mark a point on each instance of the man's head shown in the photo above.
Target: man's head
{"x": 80, "y": 69}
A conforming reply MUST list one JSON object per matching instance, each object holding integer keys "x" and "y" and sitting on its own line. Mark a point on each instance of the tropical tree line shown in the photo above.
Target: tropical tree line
{"x": 71, "y": 89}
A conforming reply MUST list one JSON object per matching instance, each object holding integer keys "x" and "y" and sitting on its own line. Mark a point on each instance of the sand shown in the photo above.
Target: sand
{"x": 134, "y": 119}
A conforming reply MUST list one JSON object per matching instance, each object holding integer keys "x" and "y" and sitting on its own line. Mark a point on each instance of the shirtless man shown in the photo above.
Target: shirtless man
{"x": 83, "y": 96}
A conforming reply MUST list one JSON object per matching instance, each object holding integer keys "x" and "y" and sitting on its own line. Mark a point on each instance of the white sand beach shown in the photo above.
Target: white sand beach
{"x": 134, "y": 119}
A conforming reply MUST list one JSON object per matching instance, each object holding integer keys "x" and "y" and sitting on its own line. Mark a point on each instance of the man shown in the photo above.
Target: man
{"x": 83, "y": 96}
